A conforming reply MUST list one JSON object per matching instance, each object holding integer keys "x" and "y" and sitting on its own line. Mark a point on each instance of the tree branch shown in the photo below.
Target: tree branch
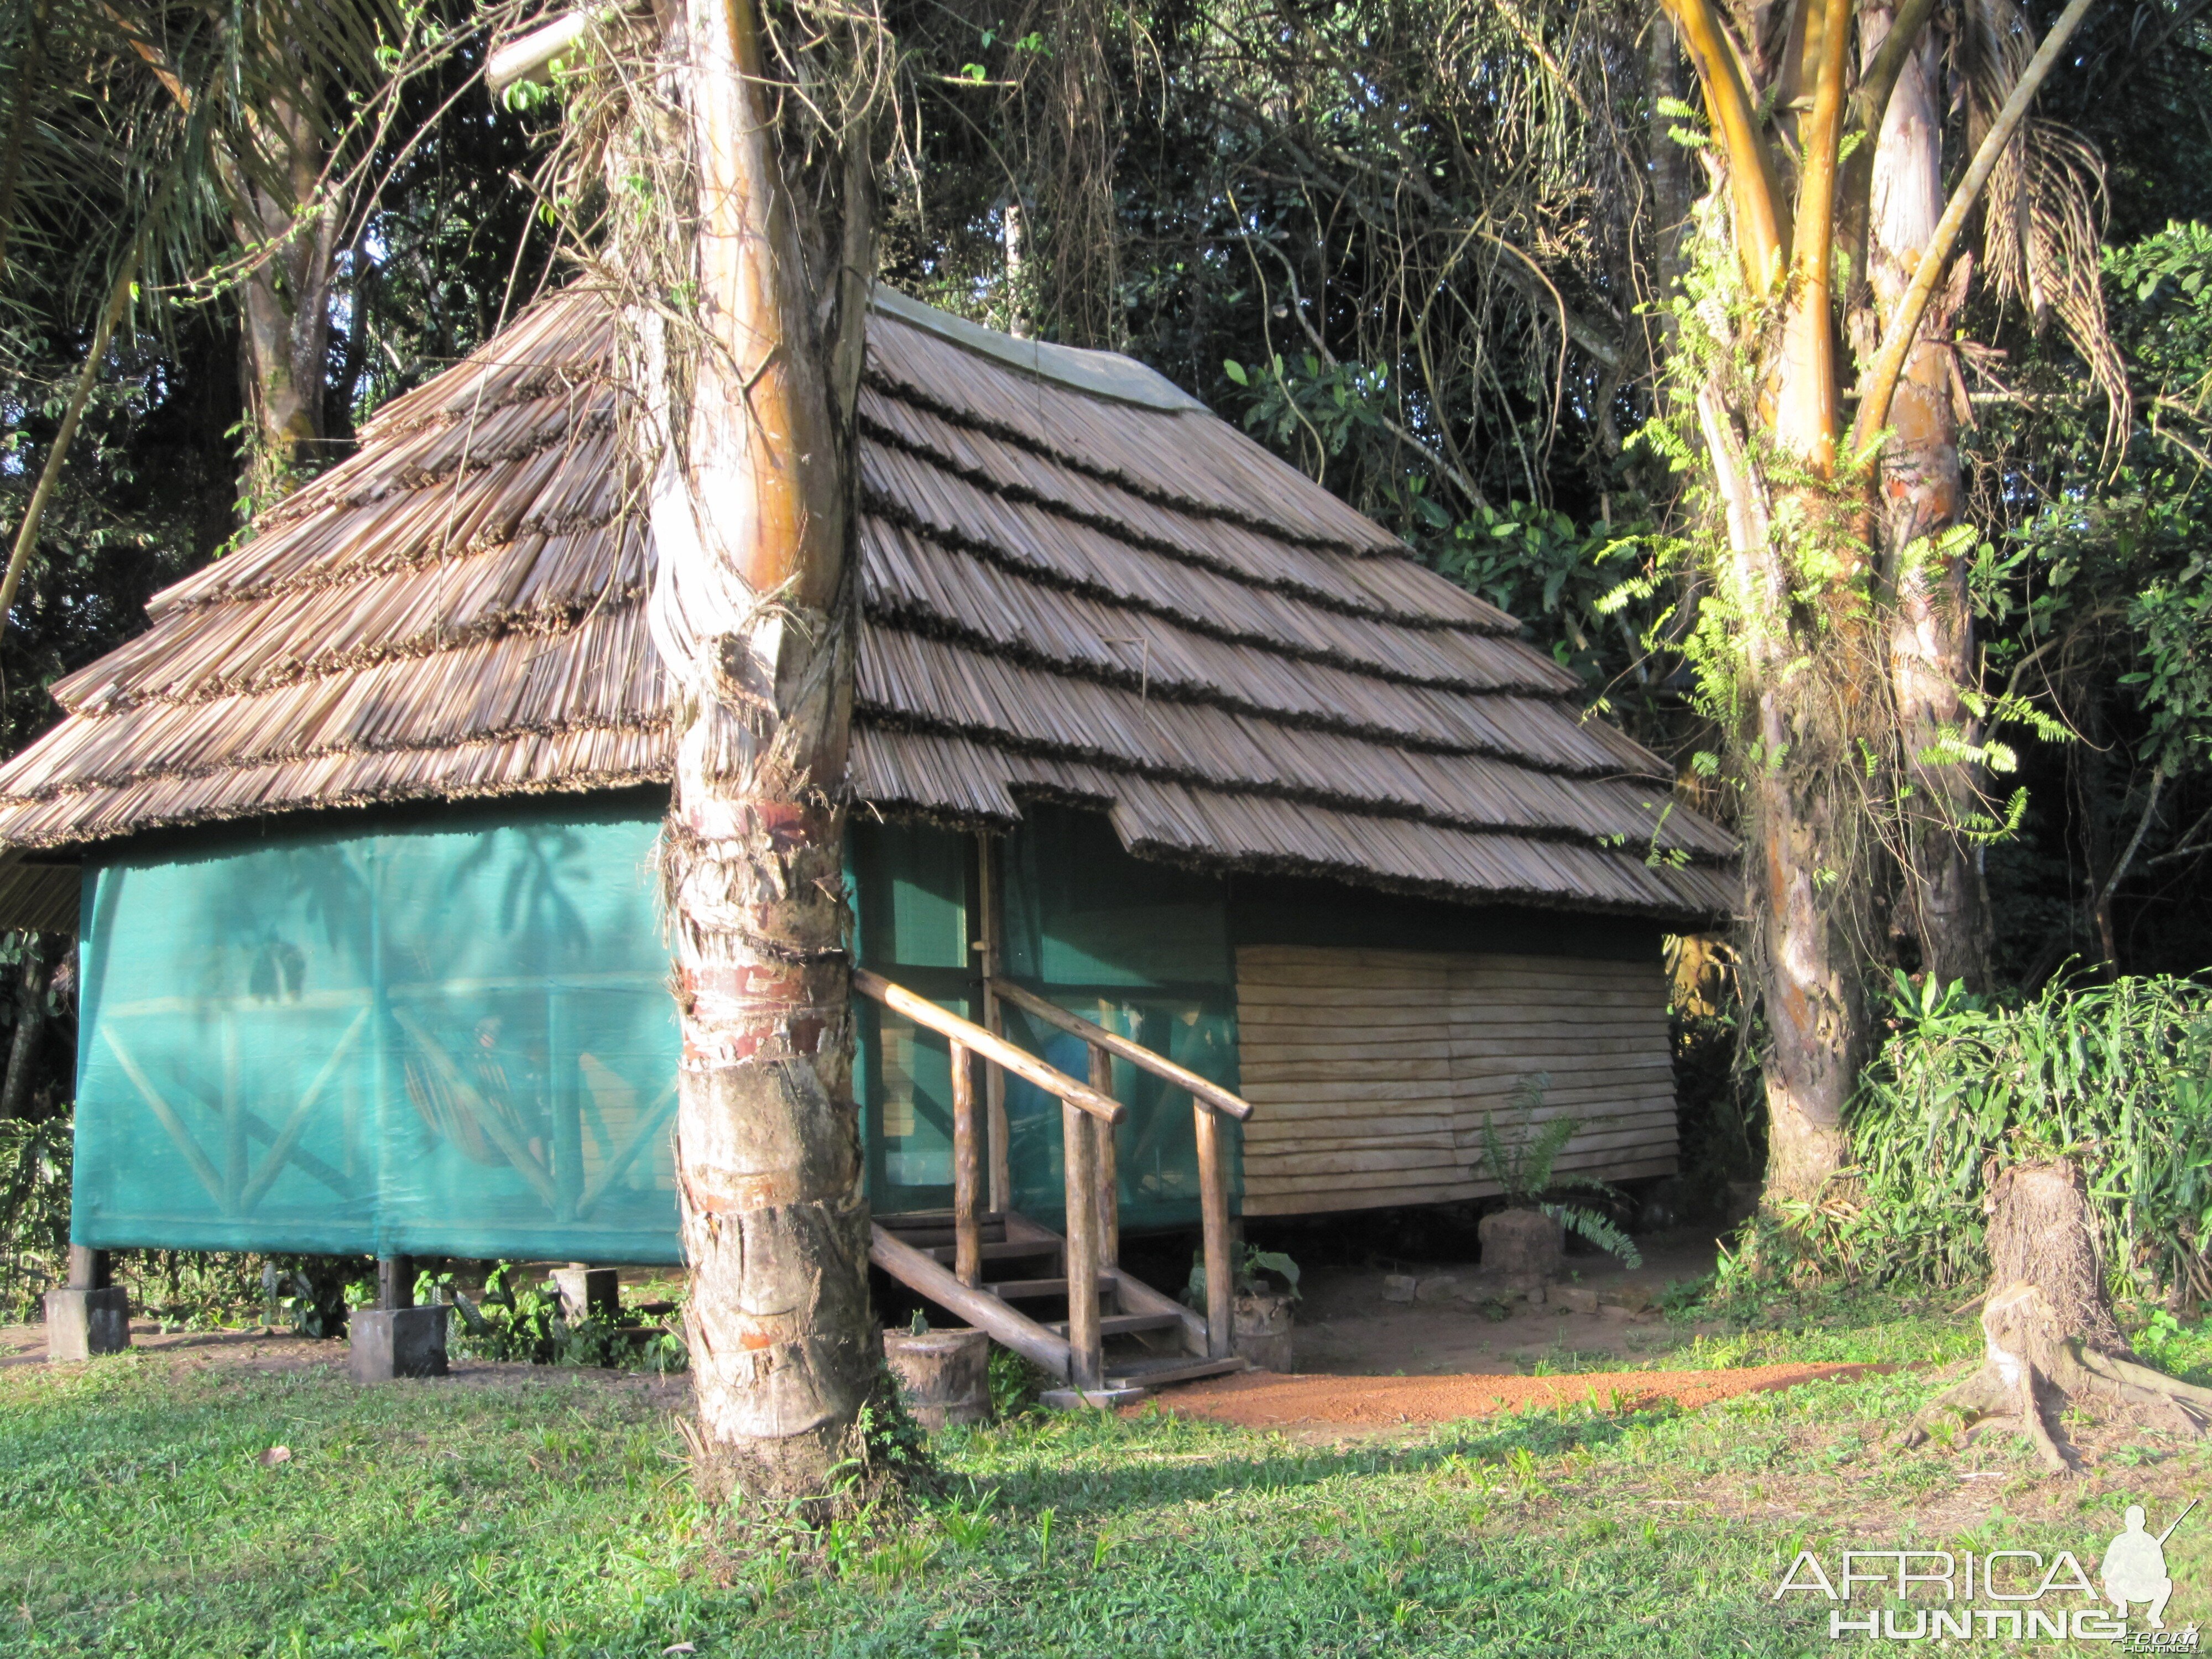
{"x": 1761, "y": 237}
{"x": 2135, "y": 841}
{"x": 1869, "y": 107}
{"x": 1809, "y": 410}
{"x": 26, "y": 534}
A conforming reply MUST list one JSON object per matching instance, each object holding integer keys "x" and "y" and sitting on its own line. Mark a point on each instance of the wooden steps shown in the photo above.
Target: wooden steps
{"x": 1029, "y": 1290}
{"x": 1018, "y": 1249}
{"x": 1170, "y": 1367}
{"x": 909, "y": 1248}
{"x": 1124, "y": 1324}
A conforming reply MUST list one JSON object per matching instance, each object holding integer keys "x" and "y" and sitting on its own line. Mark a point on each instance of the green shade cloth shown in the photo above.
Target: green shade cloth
{"x": 452, "y": 1038}
{"x": 453, "y": 1035}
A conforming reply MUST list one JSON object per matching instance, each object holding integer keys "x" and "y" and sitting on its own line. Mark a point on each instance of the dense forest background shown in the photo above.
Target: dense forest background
{"x": 1428, "y": 250}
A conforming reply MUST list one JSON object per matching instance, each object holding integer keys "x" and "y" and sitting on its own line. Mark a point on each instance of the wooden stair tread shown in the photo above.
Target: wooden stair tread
{"x": 899, "y": 1251}
{"x": 930, "y": 1238}
{"x": 1168, "y": 1368}
{"x": 1006, "y": 1250}
{"x": 900, "y": 1221}
{"x": 1122, "y": 1324}
{"x": 1015, "y": 1290}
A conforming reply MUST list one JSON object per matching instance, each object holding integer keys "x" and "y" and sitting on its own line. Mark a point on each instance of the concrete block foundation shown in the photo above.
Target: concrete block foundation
{"x": 81, "y": 1323}
{"x": 384, "y": 1343}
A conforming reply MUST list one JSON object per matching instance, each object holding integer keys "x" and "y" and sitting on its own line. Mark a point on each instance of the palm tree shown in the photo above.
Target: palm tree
{"x": 738, "y": 235}
{"x": 1841, "y": 638}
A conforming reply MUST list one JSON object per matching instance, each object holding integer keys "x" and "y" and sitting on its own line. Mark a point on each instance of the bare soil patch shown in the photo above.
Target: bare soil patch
{"x": 1261, "y": 1399}
{"x": 1346, "y": 1327}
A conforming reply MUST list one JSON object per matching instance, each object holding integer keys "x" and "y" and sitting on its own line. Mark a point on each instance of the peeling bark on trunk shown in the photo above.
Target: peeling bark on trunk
{"x": 753, "y": 613}
{"x": 1802, "y": 830}
{"x": 1930, "y": 644}
{"x": 1805, "y": 908}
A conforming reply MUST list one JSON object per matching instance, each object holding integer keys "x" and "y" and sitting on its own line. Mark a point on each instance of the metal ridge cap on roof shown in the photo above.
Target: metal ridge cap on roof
{"x": 1107, "y": 374}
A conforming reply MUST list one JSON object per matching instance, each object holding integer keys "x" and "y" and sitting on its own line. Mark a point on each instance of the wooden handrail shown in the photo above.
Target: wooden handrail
{"x": 1212, "y": 1096}
{"x": 996, "y": 1049}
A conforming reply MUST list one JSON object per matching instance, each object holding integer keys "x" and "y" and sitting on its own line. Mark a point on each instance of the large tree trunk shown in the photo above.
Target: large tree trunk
{"x": 750, "y": 501}
{"x": 1806, "y": 957}
{"x": 1804, "y": 876}
{"x": 1810, "y": 878}
{"x": 1930, "y": 643}
{"x": 2049, "y": 1341}
{"x": 30, "y": 1025}
{"x": 287, "y": 313}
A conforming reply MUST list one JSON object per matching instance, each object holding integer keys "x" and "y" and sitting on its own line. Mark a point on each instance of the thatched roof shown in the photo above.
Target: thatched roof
{"x": 1078, "y": 583}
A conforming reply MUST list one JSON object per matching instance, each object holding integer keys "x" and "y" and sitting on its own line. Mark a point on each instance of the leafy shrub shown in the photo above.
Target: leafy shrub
{"x": 1016, "y": 1384}
{"x": 35, "y": 1212}
{"x": 518, "y": 1320}
{"x": 1259, "y": 1272}
{"x": 2115, "y": 1075}
{"x": 314, "y": 1294}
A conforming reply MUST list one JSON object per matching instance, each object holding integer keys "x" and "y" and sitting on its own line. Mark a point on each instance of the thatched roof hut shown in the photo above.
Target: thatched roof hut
{"x": 1079, "y": 585}
{"x": 1145, "y": 718}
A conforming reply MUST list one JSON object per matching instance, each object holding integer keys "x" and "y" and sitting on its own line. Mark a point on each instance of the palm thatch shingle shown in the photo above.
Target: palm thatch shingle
{"x": 1077, "y": 583}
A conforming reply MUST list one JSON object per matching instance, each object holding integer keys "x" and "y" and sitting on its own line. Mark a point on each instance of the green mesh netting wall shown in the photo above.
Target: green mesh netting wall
{"x": 1140, "y": 947}
{"x": 453, "y": 1037}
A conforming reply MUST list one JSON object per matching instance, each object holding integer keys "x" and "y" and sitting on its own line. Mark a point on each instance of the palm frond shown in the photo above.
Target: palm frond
{"x": 2044, "y": 212}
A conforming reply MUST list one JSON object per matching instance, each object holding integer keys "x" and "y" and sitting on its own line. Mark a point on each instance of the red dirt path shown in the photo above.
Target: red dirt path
{"x": 1262, "y": 1400}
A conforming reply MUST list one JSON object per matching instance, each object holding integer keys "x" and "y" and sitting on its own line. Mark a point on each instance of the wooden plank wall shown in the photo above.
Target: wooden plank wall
{"x": 1369, "y": 1072}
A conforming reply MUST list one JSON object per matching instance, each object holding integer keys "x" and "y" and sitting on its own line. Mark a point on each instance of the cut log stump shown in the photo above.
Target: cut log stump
{"x": 945, "y": 1376}
{"x": 2049, "y": 1341}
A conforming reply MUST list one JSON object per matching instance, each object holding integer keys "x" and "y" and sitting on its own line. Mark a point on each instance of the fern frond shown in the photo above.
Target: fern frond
{"x": 1596, "y": 1228}
{"x": 1502, "y": 1168}
{"x": 1541, "y": 1150}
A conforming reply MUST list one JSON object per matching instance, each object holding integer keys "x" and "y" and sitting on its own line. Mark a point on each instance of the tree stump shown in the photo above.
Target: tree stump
{"x": 945, "y": 1376}
{"x": 1524, "y": 1250}
{"x": 2049, "y": 1340}
{"x": 1263, "y": 1331}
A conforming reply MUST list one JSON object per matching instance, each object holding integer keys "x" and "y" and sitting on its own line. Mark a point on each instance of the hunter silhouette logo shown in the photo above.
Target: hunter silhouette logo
{"x": 2133, "y": 1569}
{"x": 2022, "y": 1593}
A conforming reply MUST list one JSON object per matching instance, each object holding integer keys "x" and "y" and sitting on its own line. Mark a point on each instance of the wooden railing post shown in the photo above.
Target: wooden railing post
{"x": 1213, "y": 1209}
{"x": 1085, "y": 1360}
{"x": 1110, "y": 1189}
{"x": 992, "y": 910}
{"x": 966, "y": 1173}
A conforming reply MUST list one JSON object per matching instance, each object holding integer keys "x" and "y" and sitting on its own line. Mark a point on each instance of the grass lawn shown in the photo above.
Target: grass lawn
{"x": 552, "y": 1515}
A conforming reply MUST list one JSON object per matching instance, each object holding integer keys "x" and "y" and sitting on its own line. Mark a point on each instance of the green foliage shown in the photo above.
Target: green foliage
{"x": 316, "y": 1293}
{"x": 889, "y": 1455}
{"x": 516, "y": 1320}
{"x": 1259, "y": 1272}
{"x": 34, "y": 1209}
{"x": 1016, "y": 1384}
{"x": 2115, "y": 1075}
{"x": 1522, "y": 1166}
{"x": 1566, "y": 581}
{"x": 1520, "y": 1162}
